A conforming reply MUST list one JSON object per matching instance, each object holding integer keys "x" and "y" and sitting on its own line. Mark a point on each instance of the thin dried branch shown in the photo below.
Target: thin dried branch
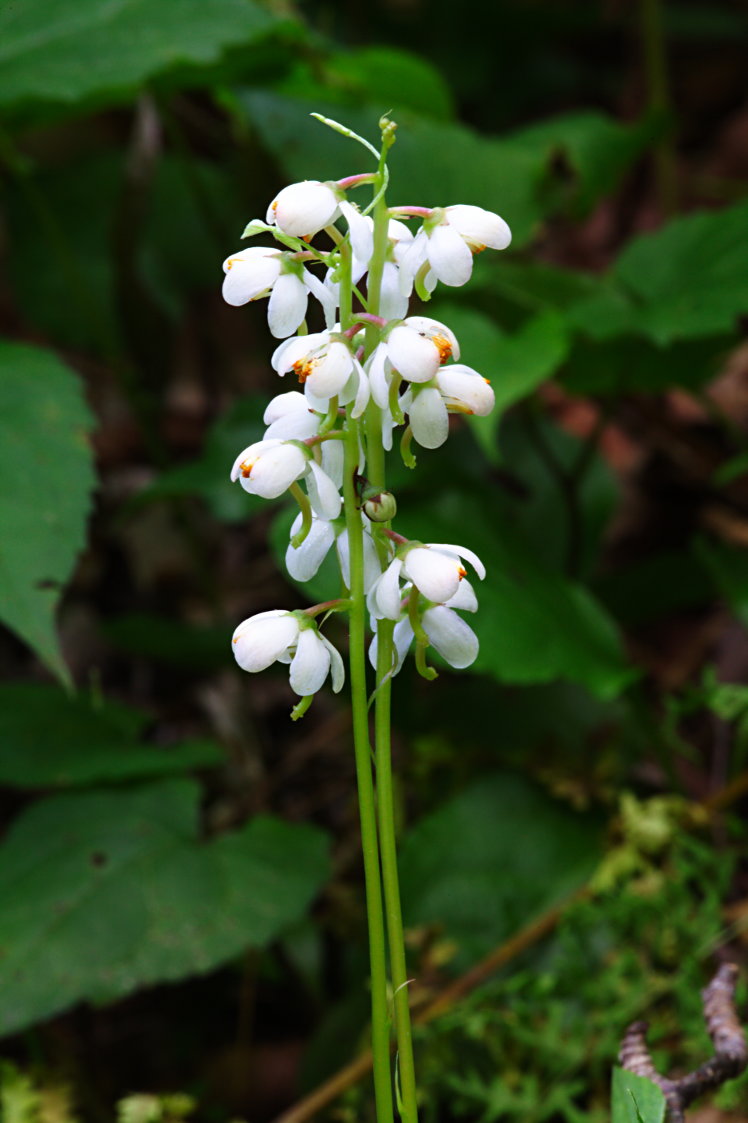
{"x": 730, "y": 1048}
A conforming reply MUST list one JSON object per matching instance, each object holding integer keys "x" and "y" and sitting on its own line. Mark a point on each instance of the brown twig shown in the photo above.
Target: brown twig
{"x": 730, "y": 1048}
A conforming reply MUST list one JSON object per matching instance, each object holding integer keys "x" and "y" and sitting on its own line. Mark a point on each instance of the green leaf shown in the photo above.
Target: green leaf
{"x": 492, "y": 858}
{"x": 432, "y": 164}
{"x": 105, "y": 892}
{"x": 597, "y": 148}
{"x": 54, "y": 51}
{"x": 47, "y": 471}
{"x": 514, "y": 363}
{"x": 631, "y": 364}
{"x": 169, "y": 641}
{"x": 636, "y": 1099}
{"x": 687, "y": 280}
{"x": 391, "y": 77}
{"x": 50, "y": 739}
{"x": 533, "y": 625}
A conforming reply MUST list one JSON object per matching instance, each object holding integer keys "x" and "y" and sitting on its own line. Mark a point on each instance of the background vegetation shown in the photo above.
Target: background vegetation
{"x": 181, "y": 912}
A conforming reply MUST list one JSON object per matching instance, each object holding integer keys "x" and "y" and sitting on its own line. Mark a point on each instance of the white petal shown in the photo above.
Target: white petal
{"x": 361, "y": 232}
{"x": 387, "y": 426}
{"x": 451, "y": 636}
{"x": 250, "y": 274}
{"x": 301, "y": 209}
{"x": 436, "y": 575}
{"x": 284, "y": 404}
{"x": 392, "y": 304}
{"x": 465, "y": 598}
{"x": 310, "y": 665}
{"x": 402, "y": 638}
{"x": 287, "y": 305}
{"x": 249, "y": 455}
{"x": 296, "y": 350}
{"x": 330, "y": 372}
{"x": 440, "y": 335}
{"x": 337, "y": 668}
{"x": 333, "y": 458}
{"x": 274, "y": 471}
{"x": 479, "y": 228}
{"x": 449, "y": 256}
{"x": 303, "y": 562}
{"x": 398, "y": 232}
{"x": 363, "y": 391}
{"x": 377, "y": 373}
{"x": 323, "y": 494}
{"x": 412, "y": 355}
{"x": 385, "y": 595}
{"x": 429, "y": 419}
{"x": 461, "y": 552}
{"x": 327, "y": 296}
{"x": 411, "y": 260}
{"x": 259, "y": 640}
{"x": 463, "y": 386}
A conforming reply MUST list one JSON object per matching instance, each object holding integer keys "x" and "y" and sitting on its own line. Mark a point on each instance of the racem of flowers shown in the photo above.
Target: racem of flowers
{"x": 375, "y": 369}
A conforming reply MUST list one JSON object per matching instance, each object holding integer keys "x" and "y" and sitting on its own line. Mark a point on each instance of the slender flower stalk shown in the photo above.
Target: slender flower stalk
{"x": 372, "y": 369}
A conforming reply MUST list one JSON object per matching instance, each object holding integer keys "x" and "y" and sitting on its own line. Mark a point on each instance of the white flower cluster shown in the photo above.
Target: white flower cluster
{"x": 399, "y": 370}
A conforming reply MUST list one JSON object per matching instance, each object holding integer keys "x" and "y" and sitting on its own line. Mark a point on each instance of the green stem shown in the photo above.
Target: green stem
{"x": 380, "y": 1023}
{"x": 388, "y": 850}
{"x": 382, "y": 712}
{"x": 655, "y": 65}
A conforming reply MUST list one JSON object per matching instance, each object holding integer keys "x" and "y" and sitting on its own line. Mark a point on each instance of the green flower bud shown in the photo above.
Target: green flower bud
{"x": 380, "y": 507}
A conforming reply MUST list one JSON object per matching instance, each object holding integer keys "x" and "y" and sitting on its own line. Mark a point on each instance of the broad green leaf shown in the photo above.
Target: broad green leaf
{"x": 514, "y": 363}
{"x": 385, "y": 75}
{"x": 50, "y": 739}
{"x": 491, "y": 859}
{"x": 531, "y": 285}
{"x": 631, "y": 364}
{"x": 598, "y": 149}
{"x": 102, "y": 893}
{"x": 534, "y": 626}
{"x": 636, "y": 1099}
{"x": 55, "y": 51}
{"x": 687, "y": 280}
{"x": 47, "y": 471}
{"x": 432, "y": 164}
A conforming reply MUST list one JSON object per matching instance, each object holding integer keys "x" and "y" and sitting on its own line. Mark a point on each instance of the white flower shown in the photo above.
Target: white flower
{"x": 455, "y": 389}
{"x": 326, "y": 366}
{"x": 287, "y": 637}
{"x": 303, "y": 561}
{"x": 257, "y": 272}
{"x": 418, "y": 346}
{"x": 447, "y": 632}
{"x": 436, "y": 570}
{"x": 301, "y": 209}
{"x": 448, "y": 241}
{"x": 268, "y": 468}
{"x": 289, "y": 417}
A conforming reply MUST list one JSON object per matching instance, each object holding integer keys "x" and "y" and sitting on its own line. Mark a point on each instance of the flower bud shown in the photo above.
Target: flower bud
{"x": 380, "y": 507}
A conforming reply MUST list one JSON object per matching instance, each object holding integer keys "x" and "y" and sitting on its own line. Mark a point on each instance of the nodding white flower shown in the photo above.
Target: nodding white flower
{"x": 447, "y": 632}
{"x": 327, "y": 367}
{"x": 301, "y": 209}
{"x": 289, "y": 417}
{"x": 455, "y": 389}
{"x": 268, "y": 468}
{"x": 259, "y": 271}
{"x": 448, "y": 240}
{"x": 418, "y": 346}
{"x": 303, "y": 561}
{"x": 288, "y": 637}
{"x": 436, "y": 570}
